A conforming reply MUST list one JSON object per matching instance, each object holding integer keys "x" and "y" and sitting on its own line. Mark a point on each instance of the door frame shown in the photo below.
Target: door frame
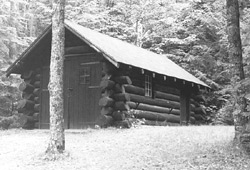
{"x": 95, "y": 58}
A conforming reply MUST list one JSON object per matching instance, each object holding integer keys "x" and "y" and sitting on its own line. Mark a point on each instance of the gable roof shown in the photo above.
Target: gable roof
{"x": 120, "y": 52}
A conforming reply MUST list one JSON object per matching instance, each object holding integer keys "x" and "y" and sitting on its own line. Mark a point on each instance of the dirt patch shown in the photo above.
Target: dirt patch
{"x": 144, "y": 147}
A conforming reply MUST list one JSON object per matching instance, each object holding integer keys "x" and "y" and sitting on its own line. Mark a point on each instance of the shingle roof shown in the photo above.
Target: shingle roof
{"x": 120, "y": 52}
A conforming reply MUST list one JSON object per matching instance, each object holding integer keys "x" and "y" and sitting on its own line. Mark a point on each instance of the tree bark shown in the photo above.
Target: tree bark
{"x": 234, "y": 39}
{"x": 242, "y": 134}
{"x": 57, "y": 137}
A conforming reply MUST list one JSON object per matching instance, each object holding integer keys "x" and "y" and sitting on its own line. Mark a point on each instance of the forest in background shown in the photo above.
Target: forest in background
{"x": 192, "y": 33}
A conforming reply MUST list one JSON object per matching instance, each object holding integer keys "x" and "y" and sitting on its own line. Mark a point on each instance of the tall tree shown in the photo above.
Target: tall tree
{"x": 57, "y": 137}
{"x": 234, "y": 39}
{"x": 242, "y": 124}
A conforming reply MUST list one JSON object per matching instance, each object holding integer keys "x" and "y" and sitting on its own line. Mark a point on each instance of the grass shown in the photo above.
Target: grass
{"x": 141, "y": 148}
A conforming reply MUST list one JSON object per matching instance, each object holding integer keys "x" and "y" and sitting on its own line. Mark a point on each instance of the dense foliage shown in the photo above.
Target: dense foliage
{"x": 190, "y": 32}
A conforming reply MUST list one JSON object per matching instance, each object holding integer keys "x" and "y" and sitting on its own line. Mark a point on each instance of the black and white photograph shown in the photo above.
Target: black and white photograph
{"x": 124, "y": 84}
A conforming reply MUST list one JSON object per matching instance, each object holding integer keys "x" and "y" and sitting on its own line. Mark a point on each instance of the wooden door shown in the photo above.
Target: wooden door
{"x": 82, "y": 91}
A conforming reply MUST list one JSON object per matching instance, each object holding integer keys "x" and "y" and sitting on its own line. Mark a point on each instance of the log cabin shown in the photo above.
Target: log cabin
{"x": 106, "y": 81}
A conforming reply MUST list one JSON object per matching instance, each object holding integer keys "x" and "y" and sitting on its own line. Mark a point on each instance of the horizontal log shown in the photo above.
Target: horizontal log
{"x": 105, "y": 121}
{"x": 36, "y": 116}
{"x": 157, "y": 116}
{"x": 167, "y": 96}
{"x": 107, "y": 111}
{"x": 26, "y": 87}
{"x": 192, "y": 120}
{"x": 37, "y": 107}
{"x": 77, "y": 49}
{"x": 37, "y": 84}
{"x": 37, "y": 100}
{"x": 192, "y": 107}
{"x": 122, "y": 80}
{"x": 27, "y": 74}
{"x": 195, "y": 103}
{"x": 25, "y": 104}
{"x": 122, "y": 106}
{"x": 156, "y": 102}
{"x": 121, "y": 97}
{"x": 119, "y": 88}
{"x": 134, "y": 89}
{"x": 118, "y": 115}
{"x": 165, "y": 89}
{"x": 27, "y": 96}
{"x": 199, "y": 117}
{"x": 199, "y": 110}
{"x": 36, "y": 91}
{"x": 199, "y": 98}
{"x": 160, "y": 123}
{"x": 107, "y": 93}
{"x": 152, "y": 108}
{"x": 106, "y": 102}
{"x": 138, "y": 83}
{"x": 107, "y": 84}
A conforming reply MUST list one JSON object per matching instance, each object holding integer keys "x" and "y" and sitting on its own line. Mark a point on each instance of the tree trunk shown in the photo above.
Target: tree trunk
{"x": 234, "y": 39}
{"x": 242, "y": 135}
{"x": 57, "y": 137}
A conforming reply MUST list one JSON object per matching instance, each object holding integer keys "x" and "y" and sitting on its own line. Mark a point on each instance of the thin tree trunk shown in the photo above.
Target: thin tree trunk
{"x": 139, "y": 32}
{"x": 57, "y": 138}
{"x": 12, "y": 45}
{"x": 242, "y": 134}
{"x": 31, "y": 22}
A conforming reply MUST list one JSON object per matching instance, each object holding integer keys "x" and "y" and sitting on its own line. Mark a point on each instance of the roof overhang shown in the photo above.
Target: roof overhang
{"x": 108, "y": 57}
{"x": 15, "y": 67}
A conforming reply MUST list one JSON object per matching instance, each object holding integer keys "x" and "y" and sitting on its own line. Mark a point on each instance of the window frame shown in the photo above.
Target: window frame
{"x": 84, "y": 76}
{"x": 148, "y": 85}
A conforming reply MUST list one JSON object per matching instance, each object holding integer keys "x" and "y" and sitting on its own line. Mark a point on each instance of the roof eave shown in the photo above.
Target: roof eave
{"x": 107, "y": 56}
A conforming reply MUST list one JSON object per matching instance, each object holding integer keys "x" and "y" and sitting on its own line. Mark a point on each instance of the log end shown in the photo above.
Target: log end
{"x": 106, "y": 102}
{"x": 123, "y": 124}
{"x": 118, "y": 115}
{"x": 105, "y": 121}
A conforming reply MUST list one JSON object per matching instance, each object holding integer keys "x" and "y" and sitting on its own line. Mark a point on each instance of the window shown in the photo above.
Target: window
{"x": 84, "y": 75}
{"x": 148, "y": 86}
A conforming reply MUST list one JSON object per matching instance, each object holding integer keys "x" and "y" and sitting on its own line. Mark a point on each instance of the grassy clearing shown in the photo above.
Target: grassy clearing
{"x": 141, "y": 148}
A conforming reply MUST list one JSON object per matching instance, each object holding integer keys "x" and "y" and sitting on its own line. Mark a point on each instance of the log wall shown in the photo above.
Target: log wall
{"x": 31, "y": 86}
{"x": 114, "y": 100}
{"x": 30, "y": 103}
{"x": 124, "y": 95}
{"x": 106, "y": 102}
{"x": 170, "y": 102}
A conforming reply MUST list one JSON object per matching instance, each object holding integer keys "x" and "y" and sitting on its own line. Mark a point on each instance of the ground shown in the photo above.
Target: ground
{"x": 140, "y": 148}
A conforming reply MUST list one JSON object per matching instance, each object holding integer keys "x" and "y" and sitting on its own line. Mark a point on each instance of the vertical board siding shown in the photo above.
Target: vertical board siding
{"x": 80, "y": 100}
{"x": 82, "y": 109}
{"x": 44, "y": 115}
